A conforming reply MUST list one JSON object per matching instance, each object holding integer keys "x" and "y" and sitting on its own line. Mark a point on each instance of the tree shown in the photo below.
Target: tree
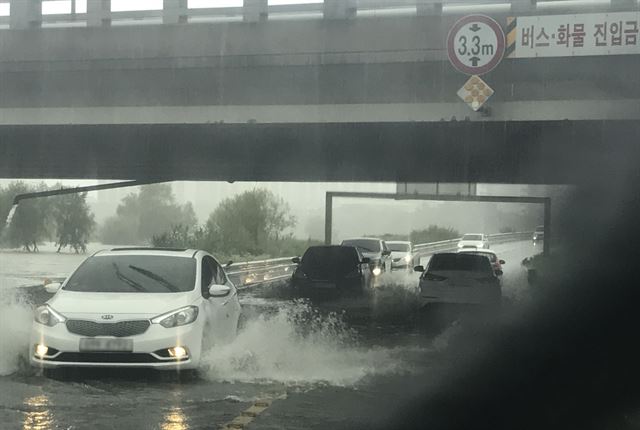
{"x": 246, "y": 222}
{"x": 149, "y": 212}
{"x": 29, "y": 224}
{"x": 73, "y": 221}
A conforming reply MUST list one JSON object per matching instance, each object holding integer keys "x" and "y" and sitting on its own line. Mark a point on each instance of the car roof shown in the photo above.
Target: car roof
{"x": 403, "y": 242}
{"x": 167, "y": 252}
{"x": 477, "y": 234}
{"x": 481, "y": 250}
{"x": 362, "y": 238}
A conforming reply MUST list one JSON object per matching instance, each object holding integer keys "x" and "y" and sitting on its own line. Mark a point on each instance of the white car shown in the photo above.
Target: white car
{"x": 473, "y": 240}
{"x": 401, "y": 254}
{"x": 136, "y": 307}
{"x": 459, "y": 278}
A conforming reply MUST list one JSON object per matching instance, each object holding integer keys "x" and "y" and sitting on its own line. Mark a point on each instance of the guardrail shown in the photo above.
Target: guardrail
{"x": 249, "y": 273}
{"x": 25, "y": 14}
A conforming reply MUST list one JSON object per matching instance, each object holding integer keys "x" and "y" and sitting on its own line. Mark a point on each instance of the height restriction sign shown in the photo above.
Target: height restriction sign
{"x": 475, "y": 44}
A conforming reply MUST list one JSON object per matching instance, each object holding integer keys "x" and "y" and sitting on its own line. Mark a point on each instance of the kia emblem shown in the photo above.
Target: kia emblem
{"x": 107, "y": 317}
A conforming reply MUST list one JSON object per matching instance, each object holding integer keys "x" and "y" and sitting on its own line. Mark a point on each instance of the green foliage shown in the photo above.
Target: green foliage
{"x": 29, "y": 226}
{"x": 145, "y": 214}
{"x": 433, "y": 233}
{"x": 73, "y": 221}
{"x": 247, "y": 222}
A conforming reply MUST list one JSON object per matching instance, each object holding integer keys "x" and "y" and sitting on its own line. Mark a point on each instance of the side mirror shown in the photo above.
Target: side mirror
{"x": 387, "y": 252}
{"x": 219, "y": 290}
{"x": 365, "y": 260}
{"x": 499, "y": 272}
{"x": 229, "y": 263}
{"x": 52, "y": 287}
{"x": 418, "y": 269}
{"x": 502, "y": 262}
{"x": 295, "y": 260}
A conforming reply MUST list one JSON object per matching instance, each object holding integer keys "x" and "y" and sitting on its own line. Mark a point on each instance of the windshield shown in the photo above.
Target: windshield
{"x": 539, "y": 229}
{"x": 399, "y": 247}
{"x": 459, "y": 262}
{"x": 134, "y": 274}
{"x": 472, "y": 237}
{"x": 366, "y": 245}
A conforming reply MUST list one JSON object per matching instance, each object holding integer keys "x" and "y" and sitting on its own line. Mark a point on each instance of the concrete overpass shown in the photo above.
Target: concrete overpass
{"x": 344, "y": 95}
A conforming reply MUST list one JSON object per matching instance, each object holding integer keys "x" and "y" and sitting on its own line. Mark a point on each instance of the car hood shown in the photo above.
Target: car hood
{"x": 372, "y": 255}
{"x": 477, "y": 243}
{"x": 73, "y": 303}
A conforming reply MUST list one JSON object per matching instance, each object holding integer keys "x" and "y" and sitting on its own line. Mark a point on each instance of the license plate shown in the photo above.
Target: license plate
{"x": 110, "y": 345}
{"x": 324, "y": 285}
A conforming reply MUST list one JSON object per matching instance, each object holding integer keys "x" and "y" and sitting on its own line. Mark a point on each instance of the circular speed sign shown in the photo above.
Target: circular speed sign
{"x": 475, "y": 44}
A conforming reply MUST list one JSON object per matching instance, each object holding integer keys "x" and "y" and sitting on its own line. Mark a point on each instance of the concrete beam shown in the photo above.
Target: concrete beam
{"x": 523, "y": 7}
{"x": 428, "y": 8}
{"x": 255, "y": 10}
{"x": 175, "y": 12}
{"x": 340, "y": 9}
{"x": 25, "y": 14}
{"x": 624, "y": 5}
{"x": 98, "y": 13}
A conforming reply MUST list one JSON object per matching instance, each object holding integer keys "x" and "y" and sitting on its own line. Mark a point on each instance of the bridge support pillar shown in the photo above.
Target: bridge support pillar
{"x": 523, "y": 6}
{"x": 98, "y": 13}
{"x": 174, "y": 12}
{"x": 25, "y": 14}
{"x": 428, "y": 8}
{"x": 255, "y": 10}
{"x": 340, "y": 9}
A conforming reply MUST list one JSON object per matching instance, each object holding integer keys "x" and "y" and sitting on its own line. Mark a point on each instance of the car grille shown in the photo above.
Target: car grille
{"x": 117, "y": 329}
{"x": 105, "y": 357}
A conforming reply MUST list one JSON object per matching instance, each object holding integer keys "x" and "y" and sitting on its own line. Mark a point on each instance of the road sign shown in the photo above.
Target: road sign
{"x": 475, "y": 92}
{"x": 475, "y": 44}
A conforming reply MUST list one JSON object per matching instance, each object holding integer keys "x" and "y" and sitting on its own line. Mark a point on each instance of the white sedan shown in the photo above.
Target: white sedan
{"x": 136, "y": 307}
{"x": 474, "y": 240}
{"x": 459, "y": 278}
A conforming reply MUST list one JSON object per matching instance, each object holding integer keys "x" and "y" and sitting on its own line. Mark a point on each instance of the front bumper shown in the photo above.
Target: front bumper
{"x": 148, "y": 348}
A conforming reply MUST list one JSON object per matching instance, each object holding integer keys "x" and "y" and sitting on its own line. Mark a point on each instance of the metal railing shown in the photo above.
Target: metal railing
{"x": 251, "y": 273}
{"x": 99, "y": 14}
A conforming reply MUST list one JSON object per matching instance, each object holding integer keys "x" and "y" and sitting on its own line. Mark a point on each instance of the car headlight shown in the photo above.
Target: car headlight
{"x": 407, "y": 258}
{"x": 47, "y": 316}
{"x": 182, "y": 316}
{"x": 459, "y": 244}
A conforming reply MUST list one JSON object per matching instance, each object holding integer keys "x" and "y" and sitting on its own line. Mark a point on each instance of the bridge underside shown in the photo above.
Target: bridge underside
{"x": 532, "y": 152}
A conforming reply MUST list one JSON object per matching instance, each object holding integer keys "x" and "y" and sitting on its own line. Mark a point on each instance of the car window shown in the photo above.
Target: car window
{"x": 365, "y": 245}
{"x": 472, "y": 237}
{"x": 218, "y": 273}
{"x": 399, "y": 247}
{"x": 207, "y": 273}
{"x": 134, "y": 274}
{"x": 459, "y": 262}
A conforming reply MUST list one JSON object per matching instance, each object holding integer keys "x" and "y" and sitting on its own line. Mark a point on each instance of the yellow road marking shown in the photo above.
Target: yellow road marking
{"x": 247, "y": 416}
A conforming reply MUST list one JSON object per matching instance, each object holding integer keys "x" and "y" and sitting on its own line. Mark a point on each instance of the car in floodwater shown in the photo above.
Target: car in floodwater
{"x": 538, "y": 234}
{"x": 332, "y": 269}
{"x": 474, "y": 240}
{"x": 459, "y": 278}
{"x": 493, "y": 258}
{"x": 136, "y": 307}
{"x": 376, "y": 250}
{"x": 401, "y": 254}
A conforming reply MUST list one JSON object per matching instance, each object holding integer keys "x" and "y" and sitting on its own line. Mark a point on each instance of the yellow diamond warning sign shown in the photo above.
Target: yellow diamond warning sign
{"x": 475, "y": 92}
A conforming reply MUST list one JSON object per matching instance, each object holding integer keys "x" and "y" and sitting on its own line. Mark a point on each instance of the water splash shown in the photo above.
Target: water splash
{"x": 298, "y": 346}
{"x": 16, "y": 317}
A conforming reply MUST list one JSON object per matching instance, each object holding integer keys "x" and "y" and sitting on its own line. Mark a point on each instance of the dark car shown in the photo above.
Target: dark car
{"x": 376, "y": 250}
{"x": 332, "y": 268}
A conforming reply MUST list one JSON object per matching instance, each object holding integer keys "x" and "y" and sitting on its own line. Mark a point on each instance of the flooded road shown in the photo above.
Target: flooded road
{"x": 337, "y": 364}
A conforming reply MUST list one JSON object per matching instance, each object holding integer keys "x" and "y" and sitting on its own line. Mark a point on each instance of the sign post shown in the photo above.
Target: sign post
{"x": 475, "y": 44}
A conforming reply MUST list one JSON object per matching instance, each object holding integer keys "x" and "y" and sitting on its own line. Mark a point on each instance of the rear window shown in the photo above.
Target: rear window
{"x": 134, "y": 274}
{"x": 398, "y": 247}
{"x": 366, "y": 245}
{"x": 325, "y": 262}
{"x": 472, "y": 237}
{"x": 459, "y": 262}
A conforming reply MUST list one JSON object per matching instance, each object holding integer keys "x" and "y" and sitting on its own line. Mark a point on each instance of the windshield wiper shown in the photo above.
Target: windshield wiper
{"x": 133, "y": 284}
{"x": 159, "y": 279}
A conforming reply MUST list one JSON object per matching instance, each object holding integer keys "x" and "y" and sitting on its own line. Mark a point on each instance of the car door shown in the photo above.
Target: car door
{"x": 222, "y": 312}
{"x": 386, "y": 255}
